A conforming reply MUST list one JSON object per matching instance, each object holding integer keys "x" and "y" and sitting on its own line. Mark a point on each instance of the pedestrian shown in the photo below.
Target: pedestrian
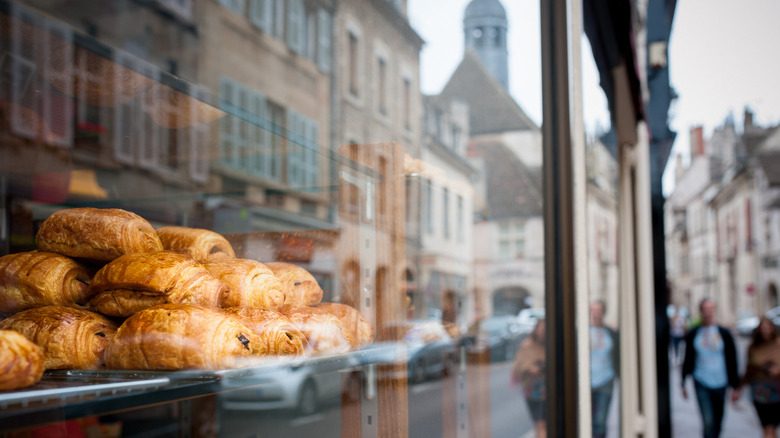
{"x": 676, "y": 334}
{"x": 604, "y": 367}
{"x": 763, "y": 375}
{"x": 711, "y": 357}
{"x": 529, "y": 369}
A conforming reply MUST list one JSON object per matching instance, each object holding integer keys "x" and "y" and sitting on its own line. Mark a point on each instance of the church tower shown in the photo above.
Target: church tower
{"x": 485, "y": 26}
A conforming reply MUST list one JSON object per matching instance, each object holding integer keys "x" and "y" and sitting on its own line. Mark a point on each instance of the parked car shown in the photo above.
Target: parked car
{"x": 500, "y": 335}
{"x": 526, "y": 319}
{"x": 746, "y": 324}
{"x": 774, "y": 315}
{"x": 304, "y": 385}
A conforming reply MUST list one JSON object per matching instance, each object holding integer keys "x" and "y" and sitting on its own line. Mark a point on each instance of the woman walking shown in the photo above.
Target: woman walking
{"x": 763, "y": 375}
{"x": 529, "y": 370}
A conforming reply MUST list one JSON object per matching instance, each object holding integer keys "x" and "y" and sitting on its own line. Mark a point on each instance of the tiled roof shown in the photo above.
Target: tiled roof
{"x": 491, "y": 108}
{"x": 513, "y": 189}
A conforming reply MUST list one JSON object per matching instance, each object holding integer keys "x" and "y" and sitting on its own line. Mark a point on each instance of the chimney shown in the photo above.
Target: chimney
{"x": 748, "y": 120}
{"x": 697, "y": 141}
{"x": 679, "y": 170}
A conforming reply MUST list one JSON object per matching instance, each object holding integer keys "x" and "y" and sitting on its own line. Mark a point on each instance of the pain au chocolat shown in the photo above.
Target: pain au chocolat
{"x": 137, "y": 281}
{"x": 360, "y": 329}
{"x": 300, "y": 287}
{"x": 278, "y": 332}
{"x": 35, "y": 279}
{"x": 324, "y": 331}
{"x": 249, "y": 282}
{"x": 199, "y": 243}
{"x": 97, "y": 234}
{"x": 21, "y": 361}
{"x": 182, "y": 336}
{"x": 69, "y": 338}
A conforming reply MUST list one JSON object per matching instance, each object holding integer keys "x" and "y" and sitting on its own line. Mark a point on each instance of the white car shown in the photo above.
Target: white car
{"x": 526, "y": 319}
{"x": 301, "y": 384}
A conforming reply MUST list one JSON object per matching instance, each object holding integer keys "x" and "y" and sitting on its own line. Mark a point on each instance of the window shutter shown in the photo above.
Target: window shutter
{"x": 26, "y": 109}
{"x": 198, "y": 140}
{"x": 242, "y": 158}
{"x": 262, "y": 136}
{"x": 296, "y": 17}
{"x": 261, "y": 14}
{"x": 293, "y": 159}
{"x": 125, "y": 115}
{"x": 312, "y": 161}
{"x": 57, "y": 102}
{"x": 228, "y": 131}
{"x": 147, "y": 138}
{"x": 324, "y": 40}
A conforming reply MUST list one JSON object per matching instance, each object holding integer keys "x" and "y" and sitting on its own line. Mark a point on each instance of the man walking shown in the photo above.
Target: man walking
{"x": 711, "y": 357}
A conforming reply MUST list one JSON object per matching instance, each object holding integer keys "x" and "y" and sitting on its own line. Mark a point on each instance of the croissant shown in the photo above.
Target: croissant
{"x": 278, "y": 332}
{"x": 136, "y": 281}
{"x": 250, "y": 283}
{"x": 180, "y": 336}
{"x": 300, "y": 287}
{"x": 197, "y": 242}
{"x": 96, "y": 234}
{"x": 360, "y": 329}
{"x": 21, "y": 361}
{"x": 70, "y": 338}
{"x": 35, "y": 279}
{"x": 324, "y": 332}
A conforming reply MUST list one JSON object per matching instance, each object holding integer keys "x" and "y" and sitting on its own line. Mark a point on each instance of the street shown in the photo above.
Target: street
{"x": 509, "y": 416}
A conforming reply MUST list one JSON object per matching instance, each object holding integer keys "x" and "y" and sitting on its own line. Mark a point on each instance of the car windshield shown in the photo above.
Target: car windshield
{"x": 496, "y": 324}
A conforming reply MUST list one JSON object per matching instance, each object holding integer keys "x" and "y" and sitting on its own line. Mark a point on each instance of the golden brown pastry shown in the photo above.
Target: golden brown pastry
{"x": 97, "y": 234}
{"x": 70, "y": 338}
{"x": 197, "y": 242}
{"x": 180, "y": 336}
{"x": 360, "y": 329}
{"x": 134, "y": 282}
{"x": 324, "y": 332}
{"x": 21, "y": 361}
{"x": 250, "y": 283}
{"x": 300, "y": 287}
{"x": 278, "y": 332}
{"x": 35, "y": 279}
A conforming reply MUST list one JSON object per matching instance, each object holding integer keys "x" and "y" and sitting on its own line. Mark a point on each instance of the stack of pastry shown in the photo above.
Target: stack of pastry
{"x": 105, "y": 289}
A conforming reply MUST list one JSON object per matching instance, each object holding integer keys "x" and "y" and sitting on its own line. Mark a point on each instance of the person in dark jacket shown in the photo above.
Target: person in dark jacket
{"x": 711, "y": 357}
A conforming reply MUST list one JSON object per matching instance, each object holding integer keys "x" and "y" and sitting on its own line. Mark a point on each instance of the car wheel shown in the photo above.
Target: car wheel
{"x": 418, "y": 371}
{"x": 307, "y": 400}
{"x": 509, "y": 353}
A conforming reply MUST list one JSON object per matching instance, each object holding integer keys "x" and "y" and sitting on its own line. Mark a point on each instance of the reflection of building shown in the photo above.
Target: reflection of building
{"x": 376, "y": 98}
{"x": 720, "y": 217}
{"x": 768, "y": 220}
{"x": 444, "y": 180}
{"x": 602, "y": 226}
{"x": 505, "y": 149}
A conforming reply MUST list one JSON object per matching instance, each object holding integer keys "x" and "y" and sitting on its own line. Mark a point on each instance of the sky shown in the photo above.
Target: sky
{"x": 723, "y": 56}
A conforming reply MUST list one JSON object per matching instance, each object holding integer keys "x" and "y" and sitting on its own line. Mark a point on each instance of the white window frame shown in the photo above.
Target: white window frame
{"x": 261, "y": 14}
{"x": 324, "y": 40}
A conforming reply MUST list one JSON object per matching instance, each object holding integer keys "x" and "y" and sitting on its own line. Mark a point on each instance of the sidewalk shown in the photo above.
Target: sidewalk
{"x": 740, "y": 420}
